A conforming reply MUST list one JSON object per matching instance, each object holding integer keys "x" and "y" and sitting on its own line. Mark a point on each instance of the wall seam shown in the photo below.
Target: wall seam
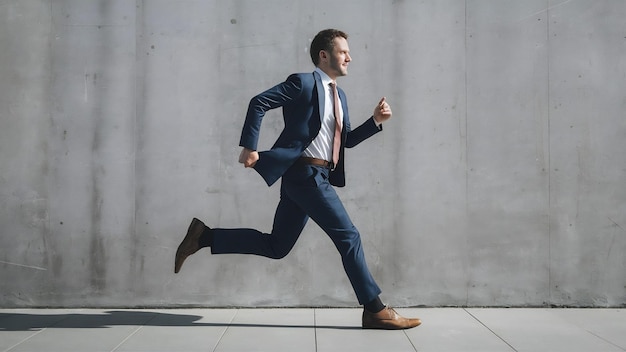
{"x": 549, "y": 173}
{"x": 468, "y": 283}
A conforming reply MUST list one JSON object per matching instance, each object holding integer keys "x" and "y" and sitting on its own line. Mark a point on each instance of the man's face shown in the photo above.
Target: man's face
{"x": 338, "y": 59}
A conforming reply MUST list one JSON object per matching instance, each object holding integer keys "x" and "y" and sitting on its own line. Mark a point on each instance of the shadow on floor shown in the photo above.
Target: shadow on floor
{"x": 29, "y": 322}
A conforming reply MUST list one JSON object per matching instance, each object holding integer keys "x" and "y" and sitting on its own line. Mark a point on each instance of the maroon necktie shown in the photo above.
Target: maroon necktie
{"x": 337, "y": 137}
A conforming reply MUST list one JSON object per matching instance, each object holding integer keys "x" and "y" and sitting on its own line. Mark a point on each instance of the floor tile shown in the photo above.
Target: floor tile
{"x": 186, "y": 330}
{"x": 607, "y": 324}
{"x": 451, "y": 330}
{"x": 272, "y": 330}
{"x": 540, "y": 330}
{"x": 83, "y": 330}
{"x": 18, "y": 325}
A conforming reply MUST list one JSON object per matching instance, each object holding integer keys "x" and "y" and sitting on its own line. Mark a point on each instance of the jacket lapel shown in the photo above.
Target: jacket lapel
{"x": 344, "y": 108}
{"x": 321, "y": 94}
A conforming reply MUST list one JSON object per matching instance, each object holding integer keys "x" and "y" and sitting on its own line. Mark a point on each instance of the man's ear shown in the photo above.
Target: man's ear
{"x": 323, "y": 55}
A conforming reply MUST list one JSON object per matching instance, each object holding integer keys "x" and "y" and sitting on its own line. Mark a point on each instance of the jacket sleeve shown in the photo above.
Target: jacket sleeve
{"x": 361, "y": 133}
{"x": 275, "y": 97}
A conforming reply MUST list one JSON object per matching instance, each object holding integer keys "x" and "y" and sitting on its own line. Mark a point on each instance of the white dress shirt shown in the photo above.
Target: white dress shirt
{"x": 322, "y": 145}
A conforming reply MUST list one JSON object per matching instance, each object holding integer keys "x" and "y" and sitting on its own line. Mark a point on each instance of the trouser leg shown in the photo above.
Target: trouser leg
{"x": 289, "y": 220}
{"x": 317, "y": 197}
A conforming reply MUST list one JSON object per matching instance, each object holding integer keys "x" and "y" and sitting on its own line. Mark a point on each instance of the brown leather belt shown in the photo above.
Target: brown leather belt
{"x": 314, "y": 161}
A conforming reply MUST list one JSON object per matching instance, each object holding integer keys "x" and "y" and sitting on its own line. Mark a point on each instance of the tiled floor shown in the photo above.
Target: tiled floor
{"x": 276, "y": 330}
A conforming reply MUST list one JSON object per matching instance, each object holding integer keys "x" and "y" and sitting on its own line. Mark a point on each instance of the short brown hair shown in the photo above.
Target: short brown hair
{"x": 324, "y": 41}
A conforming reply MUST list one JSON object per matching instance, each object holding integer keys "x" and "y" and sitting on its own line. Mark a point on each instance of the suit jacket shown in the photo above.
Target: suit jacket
{"x": 302, "y": 98}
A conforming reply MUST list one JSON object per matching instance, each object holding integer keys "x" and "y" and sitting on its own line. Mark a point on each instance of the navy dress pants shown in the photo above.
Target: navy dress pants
{"x": 305, "y": 192}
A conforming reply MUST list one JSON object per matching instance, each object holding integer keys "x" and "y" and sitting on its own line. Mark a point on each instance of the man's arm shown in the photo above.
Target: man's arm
{"x": 272, "y": 98}
{"x": 373, "y": 125}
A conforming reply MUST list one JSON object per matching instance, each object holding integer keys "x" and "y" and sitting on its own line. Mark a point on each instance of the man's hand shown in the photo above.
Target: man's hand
{"x": 382, "y": 111}
{"x": 248, "y": 157}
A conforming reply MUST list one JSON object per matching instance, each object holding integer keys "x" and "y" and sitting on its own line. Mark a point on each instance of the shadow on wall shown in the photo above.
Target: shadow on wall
{"x": 33, "y": 322}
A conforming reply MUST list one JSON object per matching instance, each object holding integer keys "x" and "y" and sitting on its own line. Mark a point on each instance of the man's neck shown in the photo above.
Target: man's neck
{"x": 326, "y": 75}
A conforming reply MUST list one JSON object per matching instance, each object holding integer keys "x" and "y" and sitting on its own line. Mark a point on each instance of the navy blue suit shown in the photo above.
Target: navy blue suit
{"x": 306, "y": 190}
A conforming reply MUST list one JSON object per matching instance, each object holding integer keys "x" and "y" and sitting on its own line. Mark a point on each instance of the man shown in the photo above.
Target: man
{"x": 308, "y": 156}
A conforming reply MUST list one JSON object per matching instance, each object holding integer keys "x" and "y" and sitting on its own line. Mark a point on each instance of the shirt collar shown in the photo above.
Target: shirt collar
{"x": 325, "y": 79}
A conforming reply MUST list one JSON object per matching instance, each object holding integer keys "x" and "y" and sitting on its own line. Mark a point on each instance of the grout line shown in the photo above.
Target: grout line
{"x": 130, "y": 335}
{"x": 35, "y": 334}
{"x": 410, "y": 341}
{"x": 217, "y": 343}
{"x": 25, "y": 339}
{"x": 488, "y": 328}
{"x": 605, "y": 340}
{"x": 315, "y": 327}
{"x": 134, "y": 332}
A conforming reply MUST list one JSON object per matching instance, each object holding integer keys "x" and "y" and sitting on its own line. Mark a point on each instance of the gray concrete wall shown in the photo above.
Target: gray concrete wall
{"x": 500, "y": 181}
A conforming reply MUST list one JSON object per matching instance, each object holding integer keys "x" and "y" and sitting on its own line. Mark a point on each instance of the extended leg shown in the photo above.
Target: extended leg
{"x": 289, "y": 221}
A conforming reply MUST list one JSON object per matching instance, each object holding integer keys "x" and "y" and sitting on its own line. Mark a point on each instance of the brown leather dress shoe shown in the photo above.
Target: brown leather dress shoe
{"x": 190, "y": 243}
{"x": 388, "y": 319}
